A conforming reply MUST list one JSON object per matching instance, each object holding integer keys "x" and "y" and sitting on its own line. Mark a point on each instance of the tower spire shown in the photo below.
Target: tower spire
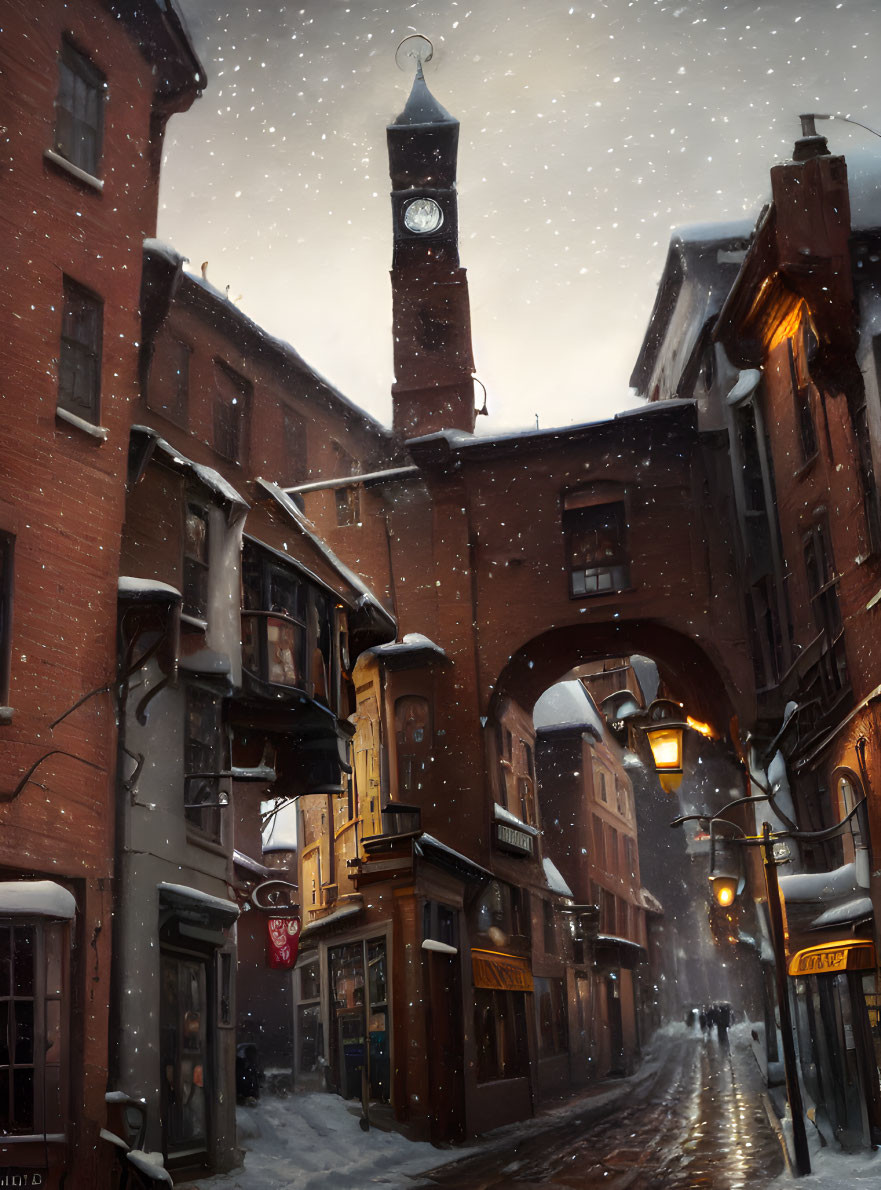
{"x": 433, "y": 388}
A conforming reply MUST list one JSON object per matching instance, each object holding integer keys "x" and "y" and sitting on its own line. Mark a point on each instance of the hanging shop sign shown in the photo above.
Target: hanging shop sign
{"x": 831, "y": 957}
{"x": 502, "y": 972}
{"x": 283, "y": 942}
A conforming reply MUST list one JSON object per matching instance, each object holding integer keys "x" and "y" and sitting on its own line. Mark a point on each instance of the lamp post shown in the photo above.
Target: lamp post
{"x": 726, "y": 886}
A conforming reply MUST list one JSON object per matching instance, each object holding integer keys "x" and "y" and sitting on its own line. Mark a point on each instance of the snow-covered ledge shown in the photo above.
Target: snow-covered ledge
{"x": 99, "y": 432}
{"x": 81, "y": 175}
{"x": 36, "y": 898}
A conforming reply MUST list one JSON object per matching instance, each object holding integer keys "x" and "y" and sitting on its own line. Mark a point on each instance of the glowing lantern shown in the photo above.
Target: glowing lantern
{"x": 664, "y": 726}
{"x": 726, "y": 870}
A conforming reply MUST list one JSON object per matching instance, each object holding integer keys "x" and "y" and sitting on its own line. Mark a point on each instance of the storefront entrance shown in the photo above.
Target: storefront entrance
{"x": 835, "y": 1039}
{"x": 359, "y": 1019}
{"x": 185, "y": 1056}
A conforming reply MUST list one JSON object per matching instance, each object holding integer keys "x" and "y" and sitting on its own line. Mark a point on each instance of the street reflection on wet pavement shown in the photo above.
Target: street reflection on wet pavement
{"x": 700, "y": 1123}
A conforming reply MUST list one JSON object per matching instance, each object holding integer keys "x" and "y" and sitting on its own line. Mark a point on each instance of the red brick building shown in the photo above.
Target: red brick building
{"x": 86, "y": 92}
{"x": 783, "y": 357}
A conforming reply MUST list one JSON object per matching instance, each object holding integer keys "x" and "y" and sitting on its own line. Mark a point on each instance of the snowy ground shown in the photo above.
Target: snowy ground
{"x": 830, "y": 1169}
{"x": 313, "y": 1141}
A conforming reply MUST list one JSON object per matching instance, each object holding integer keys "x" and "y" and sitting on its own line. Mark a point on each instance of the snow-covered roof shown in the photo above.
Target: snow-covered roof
{"x": 567, "y": 704}
{"x": 366, "y": 598}
{"x": 332, "y": 917}
{"x": 819, "y": 886}
{"x": 501, "y": 814}
{"x": 36, "y": 898}
{"x": 432, "y": 843}
{"x": 285, "y": 350}
{"x": 199, "y": 898}
{"x": 146, "y": 589}
{"x": 212, "y": 479}
{"x": 556, "y": 883}
{"x": 852, "y": 910}
{"x": 412, "y": 642}
{"x": 714, "y": 233}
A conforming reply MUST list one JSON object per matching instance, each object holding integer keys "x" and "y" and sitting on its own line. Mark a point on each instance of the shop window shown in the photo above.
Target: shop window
{"x": 232, "y": 398}
{"x": 79, "y": 110}
{"x": 169, "y": 386}
{"x": 33, "y": 1027}
{"x": 553, "y": 1031}
{"x": 204, "y": 756}
{"x": 360, "y": 1014}
{"x": 274, "y": 602}
{"x": 596, "y": 542}
{"x": 6, "y": 557}
{"x": 185, "y": 1050}
{"x": 500, "y": 1034}
{"x": 310, "y": 1035}
{"x": 79, "y": 364}
{"x": 195, "y": 562}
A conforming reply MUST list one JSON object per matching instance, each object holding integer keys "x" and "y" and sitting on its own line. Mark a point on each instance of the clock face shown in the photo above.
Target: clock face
{"x": 423, "y": 215}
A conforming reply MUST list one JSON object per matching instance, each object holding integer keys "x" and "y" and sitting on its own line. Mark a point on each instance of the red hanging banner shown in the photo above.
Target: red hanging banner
{"x": 283, "y": 942}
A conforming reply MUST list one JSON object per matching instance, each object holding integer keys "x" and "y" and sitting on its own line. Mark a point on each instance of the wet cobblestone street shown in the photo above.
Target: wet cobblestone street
{"x": 698, "y": 1123}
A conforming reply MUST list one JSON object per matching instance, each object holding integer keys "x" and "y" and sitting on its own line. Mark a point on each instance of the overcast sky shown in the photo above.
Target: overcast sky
{"x": 588, "y": 131}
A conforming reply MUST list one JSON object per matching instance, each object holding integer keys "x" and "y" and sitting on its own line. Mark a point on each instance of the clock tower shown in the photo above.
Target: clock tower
{"x": 433, "y": 388}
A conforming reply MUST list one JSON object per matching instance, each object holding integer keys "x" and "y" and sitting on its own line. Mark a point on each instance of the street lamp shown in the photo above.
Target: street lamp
{"x": 721, "y": 872}
{"x": 726, "y": 869}
{"x": 664, "y": 725}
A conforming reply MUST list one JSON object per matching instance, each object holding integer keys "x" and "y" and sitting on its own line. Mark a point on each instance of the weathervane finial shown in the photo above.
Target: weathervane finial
{"x": 414, "y": 48}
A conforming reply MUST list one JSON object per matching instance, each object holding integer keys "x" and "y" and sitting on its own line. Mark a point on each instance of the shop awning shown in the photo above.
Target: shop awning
{"x": 830, "y": 958}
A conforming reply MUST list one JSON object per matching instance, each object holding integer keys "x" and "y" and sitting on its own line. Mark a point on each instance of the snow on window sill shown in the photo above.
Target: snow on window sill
{"x": 6, "y": 714}
{"x": 80, "y": 423}
{"x": 81, "y": 175}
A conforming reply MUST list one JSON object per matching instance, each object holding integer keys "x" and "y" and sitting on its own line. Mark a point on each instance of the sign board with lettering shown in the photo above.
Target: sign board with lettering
{"x": 832, "y": 957}
{"x": 503, "y": 972}
{"x": 509, "y": 838}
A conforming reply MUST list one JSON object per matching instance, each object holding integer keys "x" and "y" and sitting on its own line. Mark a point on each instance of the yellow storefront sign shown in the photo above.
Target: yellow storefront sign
{"x": 502, "y": 972}
{"x": 832, "y": 957}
